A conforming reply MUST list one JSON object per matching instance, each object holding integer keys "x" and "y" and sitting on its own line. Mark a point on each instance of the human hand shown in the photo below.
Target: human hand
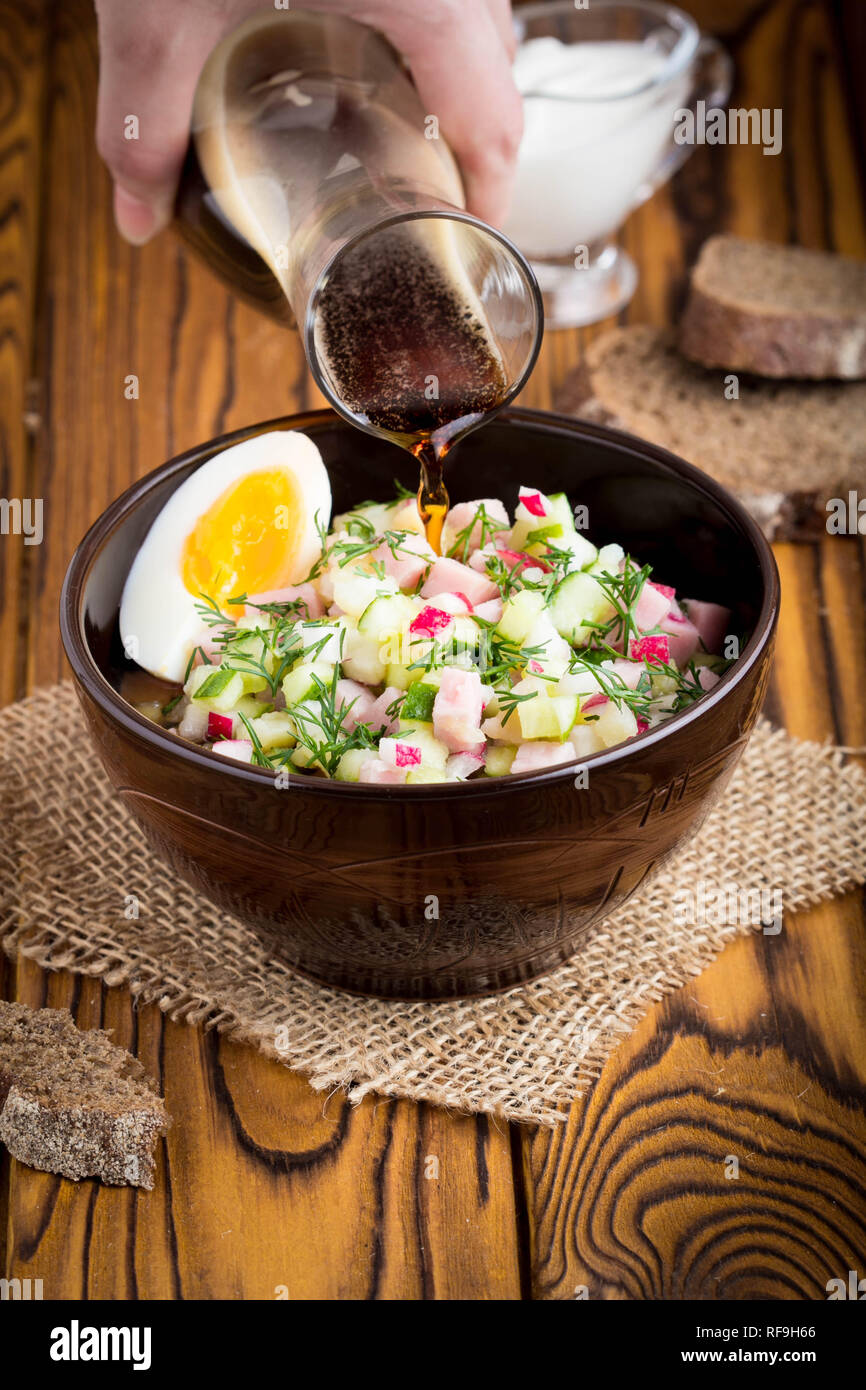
{"x": 151, "y": 55}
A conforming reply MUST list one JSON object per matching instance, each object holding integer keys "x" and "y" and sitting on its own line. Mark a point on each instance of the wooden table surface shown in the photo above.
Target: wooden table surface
{"x": 264, "y": 1186}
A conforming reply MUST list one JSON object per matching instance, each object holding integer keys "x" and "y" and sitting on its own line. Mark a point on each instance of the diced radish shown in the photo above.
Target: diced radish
{"x": 470, "y": 606}
{"x": 682, "y": 638}
{"x": 461, "y": 516}
{"x": 449, "y": 576}
{"x": 711, "y": 621}
{"x": 219, "y": 725}
{"x": 537, "y": 754}
{"x": 457, "y": 710}
{"x": 397, "y": 754}
{"x": 592, "y": 700}
{"x": 375, "y": 770}
{"x": 518, "y": 559}
{"x": 667, "y": 589}
{"x": 533, "y": 502}
{"x": 462, "y": 765}
{"x": 650, "y": 608}
{"x": 359, "y": 698}
{"x": 378, "y": 716}
{"x": 241, "y": 749}
{"x": 430, "y": 621}
{"x": 491, "y": 611}
{"x": 413, "y": 555}
{"x": 456, "y": 604}
{"x": 642, "y": 723}
{"x": 708, "y": 678}
{"x": 650, "y": 649}
{"x": 311, "y": 602}
{"x": 535, "y": 667}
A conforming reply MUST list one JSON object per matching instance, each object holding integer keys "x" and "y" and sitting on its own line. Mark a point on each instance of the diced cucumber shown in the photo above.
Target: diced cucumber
{"x": 300, "y": 685}
{"x": 319, "y": 641}
{"x": 355, "y": 590}
{"x": 251, "y": 708}
{"x": 387, "y": 616}
{"x": 577, "y": 603}
{"x": 273, "y": 730}
{"x": 610, "y": 557}
{"x": 418, "y": 703}
{"x": 562, "y": 511}
{"x": 416, "y": 776}
{"x": 215, "y": 687}
{"x": 613, "y": 723}
{"x": 349, "y": 766}
{"x": 361, "y": 658}
{"x": 548, "y": 717}
{"x": 518, "y": 614}
{"x": 500, "y": 756}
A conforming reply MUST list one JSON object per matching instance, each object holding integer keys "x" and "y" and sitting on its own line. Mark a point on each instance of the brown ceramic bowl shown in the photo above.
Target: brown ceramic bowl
{"x": 341, "y": 879}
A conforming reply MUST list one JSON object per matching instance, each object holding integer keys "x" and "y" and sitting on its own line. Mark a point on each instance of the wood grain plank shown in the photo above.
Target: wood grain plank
{"x": 22, "y": 80}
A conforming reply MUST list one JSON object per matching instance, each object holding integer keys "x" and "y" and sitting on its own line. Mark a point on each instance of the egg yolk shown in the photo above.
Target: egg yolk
{"x": 246, "y": 541}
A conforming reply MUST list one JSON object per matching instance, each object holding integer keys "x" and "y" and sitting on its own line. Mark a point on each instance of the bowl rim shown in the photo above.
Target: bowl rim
{"x": 102, "y": 693}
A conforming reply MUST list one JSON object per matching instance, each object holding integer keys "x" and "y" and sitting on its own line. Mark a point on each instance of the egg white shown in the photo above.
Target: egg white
{"x": 159, "y": 624}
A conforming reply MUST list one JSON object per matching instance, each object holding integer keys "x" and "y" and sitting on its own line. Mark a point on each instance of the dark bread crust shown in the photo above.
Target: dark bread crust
{"x": 73, "y": 1103}
{"x": 784, "y": 513}
{"x": 777, "y": 311}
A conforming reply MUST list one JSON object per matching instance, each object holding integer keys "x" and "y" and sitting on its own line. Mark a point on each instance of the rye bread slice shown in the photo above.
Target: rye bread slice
{"x": 784, "y": 448}
{"x": 778, "y": 311}
{"x": 73, "y": 1103}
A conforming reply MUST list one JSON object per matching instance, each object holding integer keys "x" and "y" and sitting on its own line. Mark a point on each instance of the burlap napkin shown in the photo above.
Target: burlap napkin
{"x": 74, "y": 872}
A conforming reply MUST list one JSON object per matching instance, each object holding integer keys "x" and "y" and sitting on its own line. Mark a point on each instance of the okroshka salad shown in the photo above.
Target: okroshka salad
{"x": 352, "y": 651}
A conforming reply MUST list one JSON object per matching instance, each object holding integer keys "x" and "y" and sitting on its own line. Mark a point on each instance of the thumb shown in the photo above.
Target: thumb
{"x": 150, "y": 60}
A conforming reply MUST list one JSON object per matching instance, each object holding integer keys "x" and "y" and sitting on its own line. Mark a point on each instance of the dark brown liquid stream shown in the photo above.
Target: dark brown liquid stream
{"x": 408, "y": 357}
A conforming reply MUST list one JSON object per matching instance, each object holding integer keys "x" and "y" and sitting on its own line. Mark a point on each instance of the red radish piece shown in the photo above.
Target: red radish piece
{"x": 682, "y": 638}
{"x": 667, "y": 589}
{"x": 518, "y": 559}
{"x": 241, "y": 749}
{"x": 650, "y": 649}
{"x": 642, "y": 724}
{"x": 533, "y": 502}
{"x": 219, "y": 725}
{"x": 530, "y": 757}
{"x": 397, "y": 753}
{"x": 711, "y": 621}
{"x": 430, "y": 621}
{"x": 470, "y": 606}
{"x": 457, "y": 710}
{"x": 592, "y": 700}
{"x": 651, "y": 607}
{"x": 449, "y": 576}
{"x": 375, "y": 770}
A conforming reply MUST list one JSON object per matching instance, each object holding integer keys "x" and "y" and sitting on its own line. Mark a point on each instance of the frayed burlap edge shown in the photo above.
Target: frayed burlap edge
{"x": 791, "y": 822}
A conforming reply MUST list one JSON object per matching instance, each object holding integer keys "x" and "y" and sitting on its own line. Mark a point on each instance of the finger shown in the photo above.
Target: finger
{"x": 500, "y": 13}
{"x": 150, "y": 61}
{"x": 463, "y": 74}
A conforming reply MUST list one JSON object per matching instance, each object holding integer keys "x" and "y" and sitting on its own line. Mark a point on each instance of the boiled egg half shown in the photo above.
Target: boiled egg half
{"x": 246, "y": 522}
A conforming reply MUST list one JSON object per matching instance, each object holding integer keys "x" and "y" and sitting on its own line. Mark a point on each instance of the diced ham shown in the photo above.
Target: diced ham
{"x": 537, "y": 754}
{"x": 629, "y": 672}
{"x": 651, "y": 607}
{"x": 241, "y": 749}
{"x": 708, "y": 678}
{"x": 711, "y": 621}
{"x": 311, "y": 602}
{"x": 375, "y": 770}
{"x": 649, "y": 649}
{"x": 361, "y": 700}
{"x": 451, "y": 577}
{"x": 378, "y": 716}
{"x": 682, "y": 638}
{"x": 460, "y": 516}
{"x": 462, "y": 765}
{"x": 413, "y": 555}
{"x": 457, "y": 710}
{"x": 490, "y": 611}
{"x": 398, "y": 754}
